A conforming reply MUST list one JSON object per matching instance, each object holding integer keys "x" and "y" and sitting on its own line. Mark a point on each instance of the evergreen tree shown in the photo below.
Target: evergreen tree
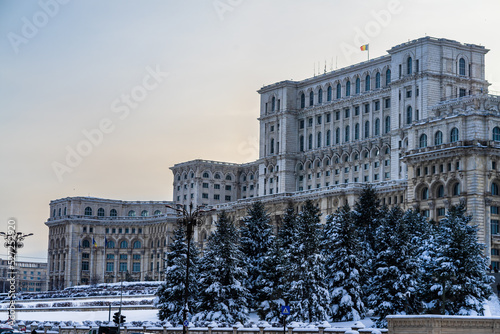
{"x": 455, "y": 279}
{"x": 309, "y": 297}
{"x": 170, "y": 295}
{"x": 340, "y": 246}
{"x": 256, "y": 239}
{"x": 223, "y": 297}
{"x": 395, "y": 282}
{"x": 277, "y": 274}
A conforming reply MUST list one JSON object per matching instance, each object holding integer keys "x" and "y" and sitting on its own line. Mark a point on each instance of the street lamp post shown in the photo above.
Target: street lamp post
{"x": 13, "y": 241}
{"x": 190, "y": 219}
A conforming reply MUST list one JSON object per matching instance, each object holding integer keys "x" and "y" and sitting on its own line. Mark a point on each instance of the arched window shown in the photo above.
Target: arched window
{"x": 438, "y": 138}
{"x": 440, "y": 191}
{"x": 494, "y": 189}
{"x": 409, "y": 115}
{"x": 358, "y": 85}
{"x": 228, "y": 177}
{"x": 346, "y": 137}
{"x": 387, "y": 124}
{"x": 206, "y": 175}
{"x": 217, "y": 176}
{"x": 423, "y": 141}
{"x": 348, "y": 88}
{"x": 461, "y": 66}
{"x": 301, "y": 144}
{"x": 377, "y": 80}
{"x": 273, "y": 103}
{"x": 408, "y": 65}
{"x": 496, "y": 133}
{"x": 271, "y": 146}
{"x": 144, "y": 213}
{"x": 387, "y": 77}
{"x": 425, "y": 193}
{"x": 377, "y": 127}
{"x": 85, "y": 244}
{"x": 338, "y": 91}
{"x": 113, "y": 213}
{"x": 367, "y": 129}
{"x": 318, "y": 142}
{"x": 356, "y": 131}
{"x": 88, "y": 211}
{"x": 337, "y": 136}
{"x": 310, "y": 143}
{"x": 311, "y": 98}
{"x": 329, "y": 93}
{"x": 157, "y": 212}
{"x": 137, "y": 244}
{"x": 65, "y": 211}
{"x": 328, "y": 138}
{"x": 131, "y": 213}
{"x": 110, "y": 244}
{"x": 454, "y": 135}
{"x": 320, "y": 96}
{"x": 367, "y": 83}
{"x": 124, "y": 244}
{"x": 456, "y": 189}
{"x": 59, "y": 212}
{"x": 100, "y": 212}
{"x": 302, "y": 100}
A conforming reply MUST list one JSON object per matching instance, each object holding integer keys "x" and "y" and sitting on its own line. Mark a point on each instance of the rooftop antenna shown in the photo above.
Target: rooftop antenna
{"x": 324, "y": 71}
{"x": 314, "y": 68}
{"x": 336, "y": 58}
{"x": 331, "y": 65}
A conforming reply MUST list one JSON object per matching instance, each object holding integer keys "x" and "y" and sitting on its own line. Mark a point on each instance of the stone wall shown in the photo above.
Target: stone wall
{"x": 437, "y": 324}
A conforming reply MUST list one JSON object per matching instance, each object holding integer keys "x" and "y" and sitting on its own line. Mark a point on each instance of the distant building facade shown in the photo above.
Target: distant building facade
{"x": 30, "y": 276}
{"x": 95, "y": 240}
{"x": 418, "y": 124}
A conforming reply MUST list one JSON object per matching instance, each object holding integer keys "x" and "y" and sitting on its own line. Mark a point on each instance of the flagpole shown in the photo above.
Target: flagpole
{"x": 104, "y": 262}
{"x": 368, "y": 48}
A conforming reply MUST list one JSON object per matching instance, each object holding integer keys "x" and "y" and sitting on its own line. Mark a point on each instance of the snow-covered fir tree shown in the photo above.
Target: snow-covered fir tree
{"x": 171, "y": 294}
{"x": 223, "y": 297}
{"x": 309, "y": 296}
{"x": 394, "y": 284}
{"x": 340, "y": 247}
{"x": 455, "y": 280}
{"x": 276, "y": 270}
{"x": 256, "y": 239}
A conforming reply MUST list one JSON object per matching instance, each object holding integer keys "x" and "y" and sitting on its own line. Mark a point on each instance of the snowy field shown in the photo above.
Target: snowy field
{"x": 492, "y": 308}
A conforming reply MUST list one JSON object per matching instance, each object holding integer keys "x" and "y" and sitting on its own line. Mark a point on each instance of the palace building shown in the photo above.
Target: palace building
{"x": 418, "y": 124}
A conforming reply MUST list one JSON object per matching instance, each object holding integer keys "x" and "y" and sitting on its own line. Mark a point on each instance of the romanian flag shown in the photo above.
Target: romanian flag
{"x": 364, "y": 47}
{"x": 105, "y": 242}
{"x": 93, "y": 242}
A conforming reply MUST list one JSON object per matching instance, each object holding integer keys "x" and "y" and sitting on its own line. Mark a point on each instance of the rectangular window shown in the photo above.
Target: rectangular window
{"x": 457, "y": 165}
{"x": 387, "y": 162}
{"x": 337, "y": 115}
{"x": 205, "y": 185}
{"x": 228, "y": 187}
{"x": 107, "y": 230}
{"x": 318, "y": 119}
{"x": 123, "y": 266}
{"x": 367, "y": 108}
{"x": 494, "y": 226}
{"x": 494, "y": 210}
{"x": 85, "y": 265}
{"x": 408, "y": 93}
{"x": 228, "y": 198}
{"x": 493, "y": 165}
{"x": 204, "y": 195}
{"x": 136, "y": 256}
{"x": 494, "y": 251}
{"x": 123, "y": 256}
{"x": 310, "y": 122}
{"x": 113, "y": 230}
{"x": 387, "y": 175}
{"x": 216, "y": 186}
{"x": 84, "y": 256}
{"x": 387, "y": 103}
{"x": 110, "y": 266}
{"x": 139, "y": 231}
{"x": 110, "y": 256}
{"x": 126, "y": 230}
{"x": 440, "y": 212}
{"x": 328, "y": 117}
{"x": 244, "y": 188}
{"x": 347, "y": 113}
{"x": 375, "y": 177}
{"x": 356, "y": 110}
{"x": 377, "y": 105}
{"x": 251, "y": 187}
{"x": 217, "y": 197}
{"x": 301, "y": 124}
{"x": 462, "y": 92}
{"x": 136, "y": 267}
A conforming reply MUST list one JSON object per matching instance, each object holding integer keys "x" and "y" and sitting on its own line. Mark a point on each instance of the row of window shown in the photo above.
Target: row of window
{"x": 111, "y": 244}
{"x": 206, "y": 175}
{"x": 439, "y": 192}
{"x": 356, "y": 179}
{"x": 114, "y": 213}
{"x": 347, "y": 89}
{"x": 438, "y": 138}
{"x": 346, "y": 158}
{"x": 346, "y": 135}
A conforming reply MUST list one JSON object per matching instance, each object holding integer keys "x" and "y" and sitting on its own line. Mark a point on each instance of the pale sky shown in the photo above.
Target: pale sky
{"x": 70, "y": 67}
